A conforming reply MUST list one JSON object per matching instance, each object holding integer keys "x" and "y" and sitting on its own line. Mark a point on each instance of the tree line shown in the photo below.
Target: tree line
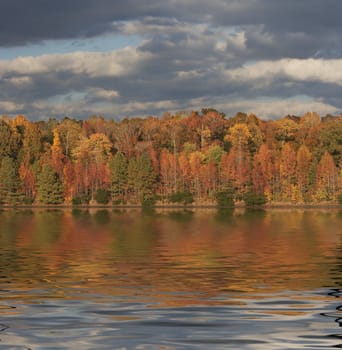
{"x": 200, "y": 157}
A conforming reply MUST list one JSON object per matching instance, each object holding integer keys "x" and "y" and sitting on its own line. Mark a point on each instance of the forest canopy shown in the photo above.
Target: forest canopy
{"x": 201, "y": 157}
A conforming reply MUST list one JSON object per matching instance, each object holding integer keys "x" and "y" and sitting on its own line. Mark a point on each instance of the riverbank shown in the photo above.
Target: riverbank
{"x": 273, "y": 205}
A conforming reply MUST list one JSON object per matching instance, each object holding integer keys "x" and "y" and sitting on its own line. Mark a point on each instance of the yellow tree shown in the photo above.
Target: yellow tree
{"x": 57, "y": 156}
{"x": 239, "y": 136}
{"x": 227, "y": 168}
{"x": 304, "y": 164}
{"x": 287, "y": 170}
{"x": 263, "y": 171}
{"x": 327, "y": 181}
{"x": 185, "y": 172}
{"x": 168, "y": 169}
{"x": 195, "y": 160}
{"x": 70, "y": 132}
{"x": 91, "y": 163}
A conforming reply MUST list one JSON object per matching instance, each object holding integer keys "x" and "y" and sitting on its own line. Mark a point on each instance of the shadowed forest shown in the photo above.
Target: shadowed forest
{"x": 199, "y": 158}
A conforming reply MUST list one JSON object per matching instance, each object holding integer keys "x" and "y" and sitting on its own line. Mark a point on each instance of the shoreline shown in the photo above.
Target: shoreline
{"x": 184, "y": 207}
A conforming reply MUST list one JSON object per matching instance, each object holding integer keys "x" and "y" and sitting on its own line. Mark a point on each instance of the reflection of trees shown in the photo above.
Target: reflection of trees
{"x": 252, "y": 214}
{"x": 102, "y": 216}
{"x": 170, "y": 252}
{"x": 15, "y": 263}
{"x": 181, "y": 215}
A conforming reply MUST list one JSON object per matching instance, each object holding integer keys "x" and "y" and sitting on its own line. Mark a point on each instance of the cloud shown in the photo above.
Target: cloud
{"x": 105, "y": 94}
{"x": 226, "y": 54}
{"x": 10, "y": 107}
{"x": 115, "y": 63}
{"x": 325, "y": 71}
{"x": 24, "y": 23}
{"x": 290, "y": 20}
{"x": 18, "y": 82}
{"x": 276, "y": 108}
{"x": 134, "y": 81}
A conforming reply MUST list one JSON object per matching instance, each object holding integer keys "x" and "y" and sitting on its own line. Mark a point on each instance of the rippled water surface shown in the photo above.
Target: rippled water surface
{"x": 169, "y": 279}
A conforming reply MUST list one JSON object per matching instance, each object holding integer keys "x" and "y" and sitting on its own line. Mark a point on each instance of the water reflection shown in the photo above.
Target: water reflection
{"x": 336, "y": 273}
{"x": 170, "y": 279}
{"x": 181, "y": 215}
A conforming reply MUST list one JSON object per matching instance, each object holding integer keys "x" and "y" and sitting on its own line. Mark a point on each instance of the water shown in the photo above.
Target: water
{"x": 169, "y": 279}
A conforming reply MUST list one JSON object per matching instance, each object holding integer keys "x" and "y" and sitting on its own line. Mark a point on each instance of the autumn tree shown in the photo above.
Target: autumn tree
{"x": 91, "y": 158}
{"x": 228, "y": 169}
{"x": 239, "y": 136}
{"x": 263, "y": 171}
{"x": 307, "y": 125}
{"x": 211, "y": 169}
{"x": 127, "y": 134}
{"x": 32, "y": 145}
{"x": 70, "y": 133}
{"x": 215, "y": 122}
{"x": 304, "y": 170}
{"x": 169, "y": 172}
{"x": 326, "y": 178}
{"x": 214, "y": 154}
{"x": 8, "y": 141}
{"x": 69, "y": 185}
{"x": 185, "y": 173}
{"x": 57, "y": 156}
{"x": 28, "y": 180}
{"x": 209, "y": 179}
{"x": 195, "y": 154}
{"x": 95, "y": 124}
{"x": 286, "y": 129}
{"x": 287, "y": 170}
{"x": 330, "y": 139}
{"x": 195, "y": 160}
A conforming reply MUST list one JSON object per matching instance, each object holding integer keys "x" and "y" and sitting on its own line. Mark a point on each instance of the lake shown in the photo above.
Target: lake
{"x": 170, "y": 279}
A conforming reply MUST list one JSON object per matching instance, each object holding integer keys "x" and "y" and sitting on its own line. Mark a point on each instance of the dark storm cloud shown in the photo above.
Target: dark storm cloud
{"x": 23, "y": 21}
{"x": 193, "y": 53}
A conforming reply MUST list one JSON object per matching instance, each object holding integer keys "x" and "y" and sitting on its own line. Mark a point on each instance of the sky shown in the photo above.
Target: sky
{"x": 119, "y": 58}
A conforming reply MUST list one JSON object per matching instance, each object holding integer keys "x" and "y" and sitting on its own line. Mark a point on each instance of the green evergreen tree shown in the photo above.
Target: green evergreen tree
{"x": 50, "y": 188}
{"x": 102, "y": 196}
{"x": 252, "y": 199}
{"x": 181, "y": 197}
{"x": 119, "y": 172}
{"x": 339, "y": 198}
{"x": 141, "y": 178}
{"x": 10, "y": 184}
{"x": 132, "y": 174}
{"x": 225, "y": 197}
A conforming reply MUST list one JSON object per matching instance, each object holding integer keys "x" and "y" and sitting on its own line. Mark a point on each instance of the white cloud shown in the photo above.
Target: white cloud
{"x": 276, "y": 108}
{"x": 221, "y": 46}
{"x": 9, "y": 106}
{"x": 19, "y": 81}
{"x": 189, "y": 74}
{"x": 109, "y": 109}
{"x": 325, "y": 71}
{"x": 144, "y": 107}
{"x": 185, "y": 72}
{"x": 104, "y": 94}
{"x": 265, "y": 108}
{"x": 153, "y": 25}
{"x": 93, "y": 64}
{"x": 237, "y": 41}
